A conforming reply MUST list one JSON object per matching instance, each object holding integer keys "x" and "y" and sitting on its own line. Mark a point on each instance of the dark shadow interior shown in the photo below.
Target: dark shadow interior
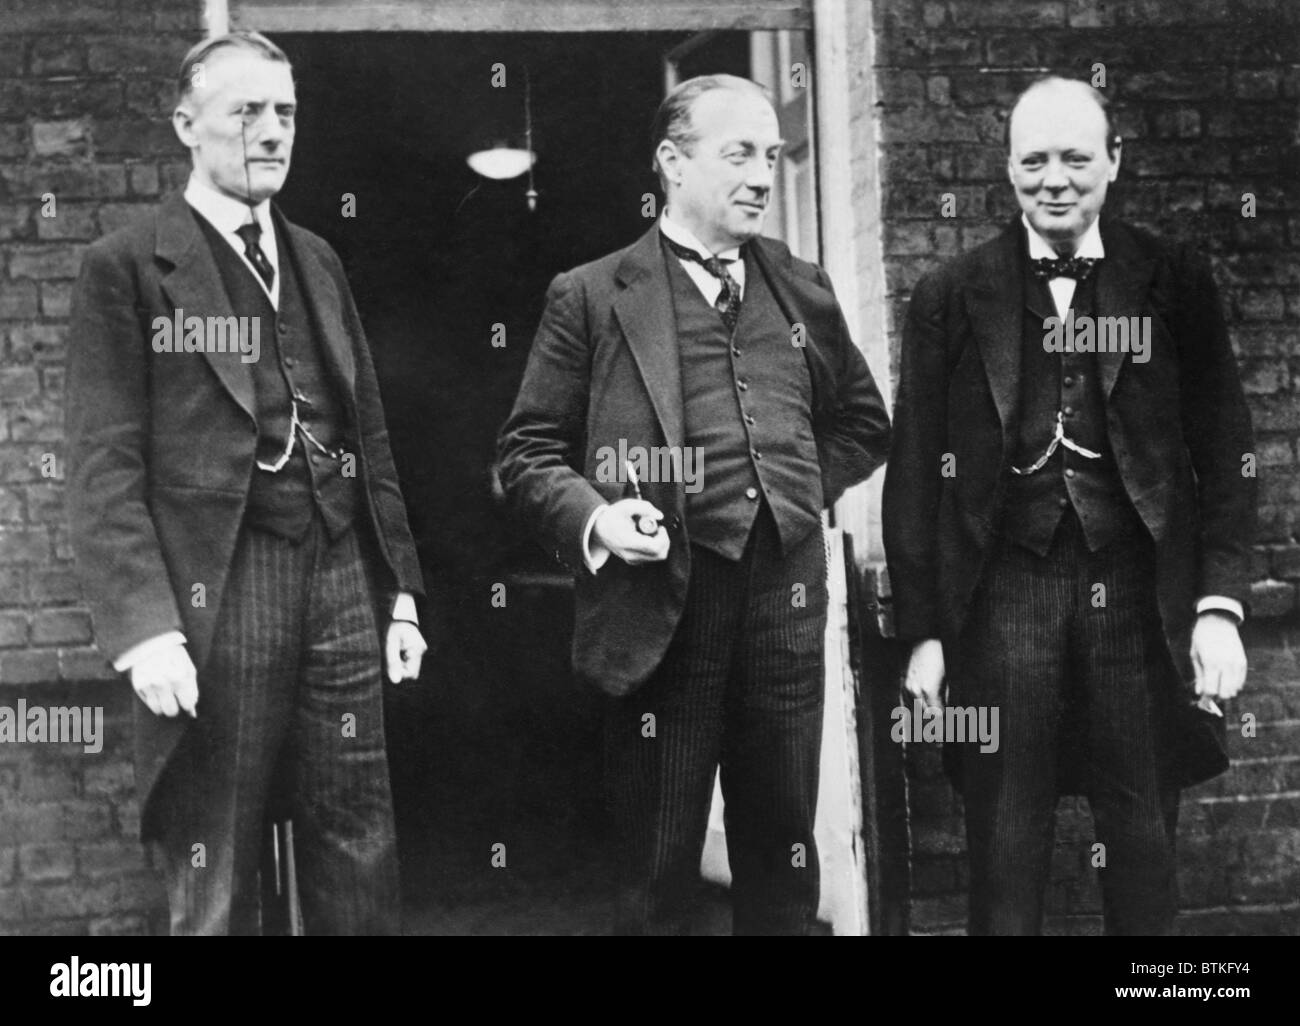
{"x": 495, "y": 744}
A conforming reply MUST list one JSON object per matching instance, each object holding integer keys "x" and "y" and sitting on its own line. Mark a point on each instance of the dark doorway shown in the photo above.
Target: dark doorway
{"x": 495, "y": 745}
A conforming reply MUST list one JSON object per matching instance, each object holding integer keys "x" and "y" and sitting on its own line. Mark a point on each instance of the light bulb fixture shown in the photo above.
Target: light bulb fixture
{"x": 501, "y": 161}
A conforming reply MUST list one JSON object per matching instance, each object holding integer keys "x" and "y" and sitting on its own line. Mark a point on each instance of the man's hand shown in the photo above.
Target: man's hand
{"x": 404, "y": 648}
{"x": 617, "y": 531}
{"x": 1217, "y": 655}
{"x": 166, "y": 682}
{"x": 924, "y": 678}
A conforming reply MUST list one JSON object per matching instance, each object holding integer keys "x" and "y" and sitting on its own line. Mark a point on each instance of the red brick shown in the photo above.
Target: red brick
{"x": 13, "y": 586}
{"x": 85, "y": 664}
{"x": 18, "y": 299}
{"x": 57, "y": 55}
{"x": 144, "y": 179}
{"x": 70, "y": 221}
{"x": 45, "y": 862}
{"x": 141, "y": 138}
{"x": 21, "y": 546}
{"x": 37, "y": 342}
{"x": 56, "y": 298}
{"x": 13, "y": 629}
{"x": 65, "y": 138}
{"x": 118, "y": 926}
{"x": 61, "y": 627}
{"x": 34, "y": 667}
{"x": 66, "y": 182}
{"x": 109, "y": 778}
{"x": 54, "y": 261}
{"x": 34, "y": 422}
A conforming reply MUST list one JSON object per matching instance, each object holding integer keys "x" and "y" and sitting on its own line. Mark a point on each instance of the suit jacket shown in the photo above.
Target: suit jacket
{"x": 161, "y": 445}
{"x": 1178, "y": 426}
{"x": 604, "y": 367}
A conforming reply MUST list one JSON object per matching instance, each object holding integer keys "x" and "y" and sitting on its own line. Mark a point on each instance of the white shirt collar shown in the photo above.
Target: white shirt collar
{"x": 1089, "y": 246}
{"x": 226, "y": 213}
{"x": 683, "y": 236}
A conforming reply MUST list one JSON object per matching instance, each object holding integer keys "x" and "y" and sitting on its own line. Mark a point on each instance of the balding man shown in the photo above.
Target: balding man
{"x": 1068, "y": 516}
{"x": 719, "y": 367}
{"x": 237, "y": 520}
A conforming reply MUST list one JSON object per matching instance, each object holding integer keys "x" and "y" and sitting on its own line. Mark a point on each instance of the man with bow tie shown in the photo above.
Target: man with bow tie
{"x": 702, "y": 610}
{"x": 237, "y": 522}
{"x": 1068, "y": 529}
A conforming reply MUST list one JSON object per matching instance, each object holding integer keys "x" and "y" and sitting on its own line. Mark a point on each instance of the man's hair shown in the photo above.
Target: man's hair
{"x": 673, "y": 119}
{"x": 254, "y": 42}
{"x": 1112, "y": 137}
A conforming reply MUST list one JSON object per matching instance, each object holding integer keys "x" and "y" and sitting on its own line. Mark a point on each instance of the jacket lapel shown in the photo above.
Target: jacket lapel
{"x": 802, "y": 301}
{"x": 1123, "y": 285}
{"x": 645, "y": 313}
{"x": 320, "y": 293}
{"x": 194, "y": 285}
{"x": 996, "y": 302}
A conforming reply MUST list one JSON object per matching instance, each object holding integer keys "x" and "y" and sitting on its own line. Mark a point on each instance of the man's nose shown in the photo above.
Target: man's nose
{"x": 761, "y": 176}
{"x": 1054, "y": 176}
{"x": 267, "y": 129}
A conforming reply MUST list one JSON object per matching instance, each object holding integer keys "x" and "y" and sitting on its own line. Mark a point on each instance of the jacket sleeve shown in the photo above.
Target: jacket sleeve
{"x": 118, "y": 556}
{"x": 913, "y": 483}
{"x": 856, "y": 441}
{"x": 542, "y": 444}
{"x": 1216, "y": 426}
{"x": 381, "y": 473}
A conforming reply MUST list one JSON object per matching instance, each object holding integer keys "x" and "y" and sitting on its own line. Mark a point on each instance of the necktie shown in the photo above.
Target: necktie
{"x": 250, "y": 233}
{"x": 728, "y": 302}
{"x": 1077, "y": 268}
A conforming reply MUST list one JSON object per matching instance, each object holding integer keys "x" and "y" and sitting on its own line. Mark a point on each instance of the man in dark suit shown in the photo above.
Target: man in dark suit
{"x": 1068, "y": 514}
{"x": 237, "y": 521}
{"x": 721, "y": 366}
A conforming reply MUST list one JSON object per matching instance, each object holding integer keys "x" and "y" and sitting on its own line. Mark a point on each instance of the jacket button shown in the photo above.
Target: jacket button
{"x": 757, "y": 455}
{"x": 749, "y": 418}
{"x": 751, "y": 494}
{"x": 1069, "y": 473}
{"x": 675, "y": 523}
{"x": 735, "y": 350}
{"x": 282, "y": 328}
{"x": 742, "y": 384}
{"x": 1063, "y": 502}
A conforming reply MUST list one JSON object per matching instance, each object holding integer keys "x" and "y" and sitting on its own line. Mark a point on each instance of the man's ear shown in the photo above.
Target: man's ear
{"x": 668, "y": 155}
{"x": 183, "y": 123}
{"x": 1114, "y": 161}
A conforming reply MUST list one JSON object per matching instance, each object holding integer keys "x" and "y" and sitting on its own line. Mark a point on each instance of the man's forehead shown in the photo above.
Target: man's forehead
{"x": 1057, "y": 119}
{"x": 734, "y": 112}
{"x": 236, "y": 70}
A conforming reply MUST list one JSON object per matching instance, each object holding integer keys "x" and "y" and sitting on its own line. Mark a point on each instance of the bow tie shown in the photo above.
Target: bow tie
{"x": 1077, "y": 268}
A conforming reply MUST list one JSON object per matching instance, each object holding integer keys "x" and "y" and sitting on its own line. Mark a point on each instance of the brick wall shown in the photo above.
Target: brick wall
{"x": 85, "y": 94}
{"x": 1204, "y": 94}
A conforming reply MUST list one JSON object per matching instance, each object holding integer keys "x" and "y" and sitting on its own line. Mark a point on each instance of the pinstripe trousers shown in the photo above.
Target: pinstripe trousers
{"x": 740, "y": 688}
{"x": 290, "y": 703}
{"x": 1069, "y": 642}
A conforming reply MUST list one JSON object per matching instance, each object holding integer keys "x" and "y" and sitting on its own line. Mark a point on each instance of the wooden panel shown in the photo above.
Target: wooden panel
{"x": 518, "y": 15}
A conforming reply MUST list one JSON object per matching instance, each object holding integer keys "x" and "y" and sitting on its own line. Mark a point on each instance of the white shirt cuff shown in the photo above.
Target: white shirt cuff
{"x": 404, "y": 608}
{"x": 594, "y": 559}
{"x": 136, "y": 653}
{"x": 1223, "y": 604}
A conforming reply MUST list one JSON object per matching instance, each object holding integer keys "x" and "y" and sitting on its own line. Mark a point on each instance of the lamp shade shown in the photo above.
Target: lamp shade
{"x": 501, "y": 163}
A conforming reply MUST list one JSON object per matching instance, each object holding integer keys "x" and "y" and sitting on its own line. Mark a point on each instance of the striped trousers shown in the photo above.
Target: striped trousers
{"x": 740, "y": 689}
{"x": 291, "y": 709}
{"x": 1069, "y": 648}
